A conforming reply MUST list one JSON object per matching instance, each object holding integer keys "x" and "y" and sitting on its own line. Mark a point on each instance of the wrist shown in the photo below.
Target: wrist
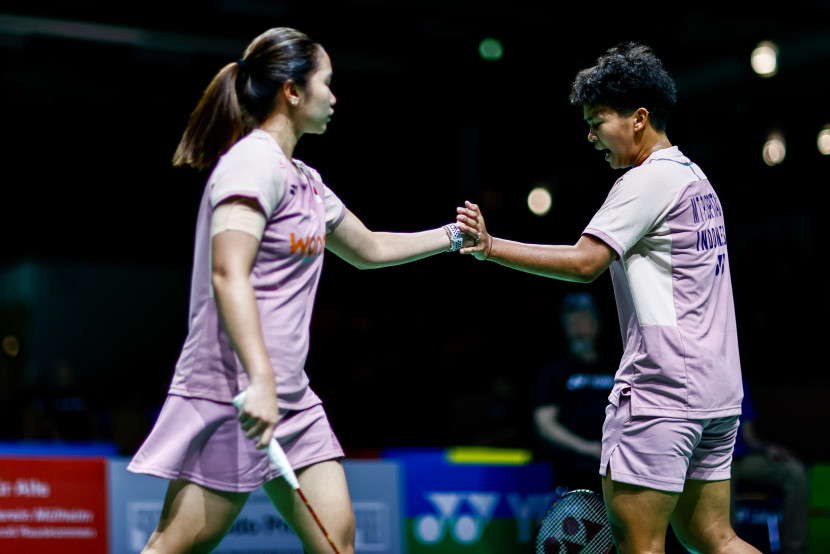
{"x": 455, "y": 236}
{"x": 264, "y": 378}
{"x": 490, "y": 250}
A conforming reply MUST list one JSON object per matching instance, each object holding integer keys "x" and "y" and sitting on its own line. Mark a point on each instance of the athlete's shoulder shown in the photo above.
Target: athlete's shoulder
{"x": 671, "y": 162}
{"x": 255, "y": 143}
{"x": 308, "y": 170}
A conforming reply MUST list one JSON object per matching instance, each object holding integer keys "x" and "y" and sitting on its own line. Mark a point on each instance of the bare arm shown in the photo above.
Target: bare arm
{"x": 583, "y": 262}
{"x": 233, "y": 258}
{"x": 551, "y": 429}
{"x": 366, "y": 249}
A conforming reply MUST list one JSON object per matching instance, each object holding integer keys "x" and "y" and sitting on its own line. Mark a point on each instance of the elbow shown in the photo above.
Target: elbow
{"x": 218, "y": 279}
{"x": 362, "y": 264}
{"x": 590, "y": 277}
{"x": 586, "y": 269}
{"x": 588, "y": 273}
{"x": 368, "y": 259}
{"x": 221, "y": 278}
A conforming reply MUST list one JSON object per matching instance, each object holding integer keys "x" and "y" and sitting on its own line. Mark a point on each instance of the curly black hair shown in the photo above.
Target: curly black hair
{"x": 627, "y": 77}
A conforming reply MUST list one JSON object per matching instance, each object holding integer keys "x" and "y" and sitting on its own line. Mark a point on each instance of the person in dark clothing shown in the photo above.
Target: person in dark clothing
{"x": 571, "y": 397}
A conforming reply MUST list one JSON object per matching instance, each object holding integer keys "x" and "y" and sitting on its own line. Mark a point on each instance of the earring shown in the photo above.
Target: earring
{"x": 293, "y": 101}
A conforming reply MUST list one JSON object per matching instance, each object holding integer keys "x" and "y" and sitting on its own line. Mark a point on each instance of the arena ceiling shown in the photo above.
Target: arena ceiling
{"x": 98, "y": 93}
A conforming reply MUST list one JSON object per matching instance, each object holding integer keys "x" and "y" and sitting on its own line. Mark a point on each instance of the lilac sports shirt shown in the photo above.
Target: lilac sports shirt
{"x": 300, "y": 211}
{"x": 673, "y": 290}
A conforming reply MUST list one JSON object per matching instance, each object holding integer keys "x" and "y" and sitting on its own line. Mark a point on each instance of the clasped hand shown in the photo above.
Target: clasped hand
{"x": 477, "y": 241}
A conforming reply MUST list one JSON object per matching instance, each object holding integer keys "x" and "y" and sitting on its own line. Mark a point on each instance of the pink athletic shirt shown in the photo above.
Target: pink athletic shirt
{"x": 673, "y": 290}
{"x": 300, "y": 210}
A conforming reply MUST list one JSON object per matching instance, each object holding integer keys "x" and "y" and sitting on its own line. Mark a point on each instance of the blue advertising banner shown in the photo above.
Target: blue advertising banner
{"x": 136, "y": 501}
{"x": 473, "y": 506}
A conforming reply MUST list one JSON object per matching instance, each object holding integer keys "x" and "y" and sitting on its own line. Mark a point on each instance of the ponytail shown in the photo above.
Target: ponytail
{"x": 214, "y": 125}
{"x": 244, "y": 94}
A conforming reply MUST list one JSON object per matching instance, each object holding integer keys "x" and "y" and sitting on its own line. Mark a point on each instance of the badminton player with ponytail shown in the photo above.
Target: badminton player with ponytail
{"x": 672, "y": 417}
{"x": 264, "y": 222}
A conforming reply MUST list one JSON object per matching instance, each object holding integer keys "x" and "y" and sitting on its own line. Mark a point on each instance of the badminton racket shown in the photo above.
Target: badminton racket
{"x": 575, "y": 524}
{"x": 277, "y": 456}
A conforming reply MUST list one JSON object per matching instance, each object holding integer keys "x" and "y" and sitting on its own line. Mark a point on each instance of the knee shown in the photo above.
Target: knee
{"x": 342, "y": 534}
{"x": 348, "y": 536}
{"x": 712, "y": 540}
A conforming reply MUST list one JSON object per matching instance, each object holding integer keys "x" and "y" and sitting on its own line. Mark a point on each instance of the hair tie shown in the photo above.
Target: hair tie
{"x": 242, "y": 65}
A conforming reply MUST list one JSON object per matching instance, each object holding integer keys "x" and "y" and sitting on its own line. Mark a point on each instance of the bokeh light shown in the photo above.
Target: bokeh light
{"x": 775, "y": 150}
{"x": 823, "y": 141}
{"x": 490, "y": 49}
{"x": 764, "y": 59}
{"x": 539, "y": 200}
{"x": 11, "y": 346}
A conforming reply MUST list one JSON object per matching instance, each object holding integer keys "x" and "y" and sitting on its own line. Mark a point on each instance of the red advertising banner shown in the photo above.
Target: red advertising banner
{"x": 53, "y": 505}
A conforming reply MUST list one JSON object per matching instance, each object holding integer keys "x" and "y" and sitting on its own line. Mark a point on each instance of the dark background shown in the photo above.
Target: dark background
{"x": 95, "y": 96}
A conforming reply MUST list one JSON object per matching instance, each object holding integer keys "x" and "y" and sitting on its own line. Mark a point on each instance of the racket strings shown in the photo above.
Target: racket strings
{"x": 576, "y": 524}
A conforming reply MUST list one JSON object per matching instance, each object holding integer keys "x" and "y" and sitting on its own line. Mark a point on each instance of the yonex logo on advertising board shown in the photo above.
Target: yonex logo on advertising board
{"x": 464, "y": 516}
{"x": 465, "y": 527}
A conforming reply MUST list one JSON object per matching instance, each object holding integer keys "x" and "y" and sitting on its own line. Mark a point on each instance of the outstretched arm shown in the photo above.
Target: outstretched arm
{"x": 366, "y": 249}
{"x": 583, "y": 262}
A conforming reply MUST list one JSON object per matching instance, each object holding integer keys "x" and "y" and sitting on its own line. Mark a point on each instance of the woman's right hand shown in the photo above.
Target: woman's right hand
{"x": 260, "y": 414}
{"x": 471, "y": 223}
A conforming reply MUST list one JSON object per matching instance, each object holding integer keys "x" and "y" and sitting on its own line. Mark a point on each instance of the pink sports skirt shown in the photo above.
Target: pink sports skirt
{"x": 202, "y": 441}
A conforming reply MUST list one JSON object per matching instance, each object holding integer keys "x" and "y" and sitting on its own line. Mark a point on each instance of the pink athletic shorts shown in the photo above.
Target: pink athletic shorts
{"x": 662, "y": 452}
{"x": 203, "y": 442}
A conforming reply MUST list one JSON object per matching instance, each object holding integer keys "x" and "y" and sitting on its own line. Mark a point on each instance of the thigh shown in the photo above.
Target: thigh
{"x": 702, "y": 518}
{"x": 324, "y": 485}
{"x": 194, "y": 518}
{"x": 712, "y": 456}
{"x": 639, "y": 516}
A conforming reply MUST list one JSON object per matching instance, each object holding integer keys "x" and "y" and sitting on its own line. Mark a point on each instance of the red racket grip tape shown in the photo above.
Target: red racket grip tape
{"x": 319, "y": 523}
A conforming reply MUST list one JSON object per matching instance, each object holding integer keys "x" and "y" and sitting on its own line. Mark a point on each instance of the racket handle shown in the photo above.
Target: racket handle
{"x": 275, "y": 452}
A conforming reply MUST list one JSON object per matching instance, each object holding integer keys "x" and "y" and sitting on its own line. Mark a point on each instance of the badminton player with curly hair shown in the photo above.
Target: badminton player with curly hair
{"x": 673, "y": 412}
{"x": 264, "y": 222}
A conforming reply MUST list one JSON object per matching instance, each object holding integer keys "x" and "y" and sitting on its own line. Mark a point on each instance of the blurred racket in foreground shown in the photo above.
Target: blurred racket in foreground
{"x": 278, "y": 458}
{"x": 575, "y": 524}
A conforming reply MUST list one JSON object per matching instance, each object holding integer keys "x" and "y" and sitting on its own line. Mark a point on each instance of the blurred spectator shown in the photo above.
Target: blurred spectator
{"x": 571, "y": 397}
{"x": 61, "y": 408}
{"x": 759, "y": 466}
